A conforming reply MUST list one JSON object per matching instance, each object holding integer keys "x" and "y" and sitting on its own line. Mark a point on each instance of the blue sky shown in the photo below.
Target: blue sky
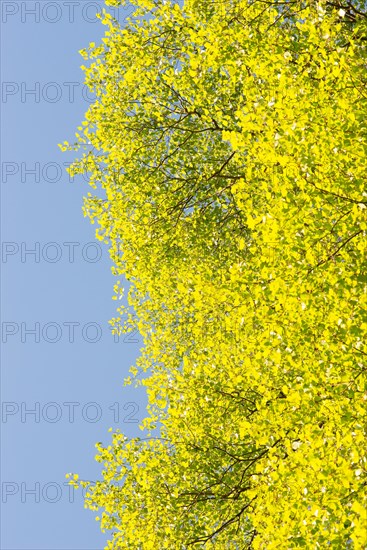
{"x": 58, "y": 356}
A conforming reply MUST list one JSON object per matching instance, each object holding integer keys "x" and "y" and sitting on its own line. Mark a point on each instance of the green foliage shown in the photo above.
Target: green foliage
{"x": 230, "y": 138}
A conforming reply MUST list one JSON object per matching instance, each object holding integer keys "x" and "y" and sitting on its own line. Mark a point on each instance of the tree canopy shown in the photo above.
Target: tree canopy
{"x": 229, "y": 138}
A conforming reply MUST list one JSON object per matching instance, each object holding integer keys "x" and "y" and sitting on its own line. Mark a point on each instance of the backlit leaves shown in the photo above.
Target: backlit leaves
{"x": 230, "y": 140}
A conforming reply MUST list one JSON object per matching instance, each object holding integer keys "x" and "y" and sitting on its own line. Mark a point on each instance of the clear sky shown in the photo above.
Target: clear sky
{"x": 68, "y": 370}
